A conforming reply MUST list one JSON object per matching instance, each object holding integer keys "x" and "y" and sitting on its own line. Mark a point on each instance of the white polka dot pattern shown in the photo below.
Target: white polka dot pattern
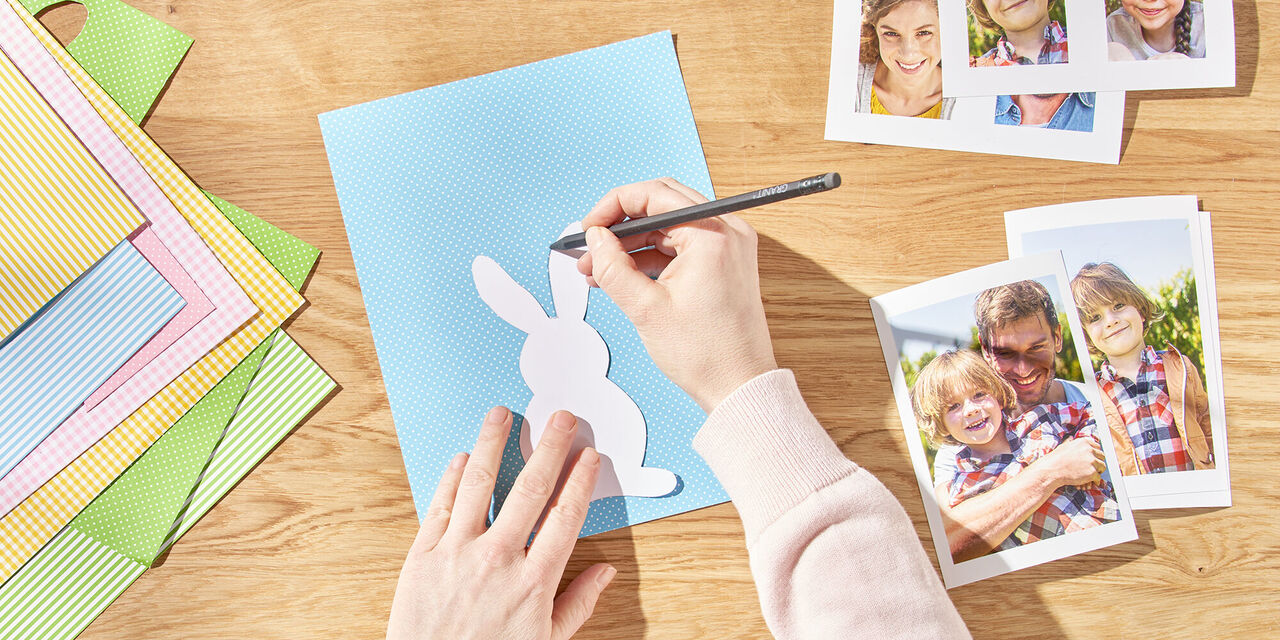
{"x": 498, "y": 165}
{"x": 129, "y": 53}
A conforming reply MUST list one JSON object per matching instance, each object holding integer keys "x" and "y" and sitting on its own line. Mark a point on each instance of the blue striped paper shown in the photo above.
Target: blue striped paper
{"x": 72, "y": 345}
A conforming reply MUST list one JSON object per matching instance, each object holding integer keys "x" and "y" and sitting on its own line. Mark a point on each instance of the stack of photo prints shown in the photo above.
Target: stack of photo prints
{"x": 1002, "y": 76}
{"x": 1045, "y": 397}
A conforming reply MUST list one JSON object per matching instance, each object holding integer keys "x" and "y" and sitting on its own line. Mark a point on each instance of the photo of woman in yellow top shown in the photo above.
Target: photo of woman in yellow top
{"x": 900, "y": 60}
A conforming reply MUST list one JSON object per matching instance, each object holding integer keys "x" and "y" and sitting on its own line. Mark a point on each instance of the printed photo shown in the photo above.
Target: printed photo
{"x": 1021, "y": 47}
{"x": 1138, "y": 277}
{"x": 1155, "y": 29}
{"x": 1001, "y": 412}
{"x": 887, "y": 80}
{"x": 1006, "y": 33}
{"x": 900, "y": 60}
{"x": 1062, "y": 111}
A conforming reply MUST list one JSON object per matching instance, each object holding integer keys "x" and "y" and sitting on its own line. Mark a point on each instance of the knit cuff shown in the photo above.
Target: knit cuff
{"x": 767, "y": 449}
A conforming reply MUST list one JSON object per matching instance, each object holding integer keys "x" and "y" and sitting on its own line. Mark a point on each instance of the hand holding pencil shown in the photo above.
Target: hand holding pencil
{"x": 692, "y": 291}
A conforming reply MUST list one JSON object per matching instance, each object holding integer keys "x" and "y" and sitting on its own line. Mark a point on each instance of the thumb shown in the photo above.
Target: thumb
{"x": 573, "y": 607}
{"x": 615, "y": 270}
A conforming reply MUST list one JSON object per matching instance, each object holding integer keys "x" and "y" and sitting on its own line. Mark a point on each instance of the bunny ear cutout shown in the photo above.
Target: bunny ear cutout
{"x": 505, "y": 296}
{"x": 568, "y": 287}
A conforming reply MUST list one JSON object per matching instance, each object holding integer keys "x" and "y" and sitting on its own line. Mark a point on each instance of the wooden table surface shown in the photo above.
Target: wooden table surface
{"x": 309, "y": 545}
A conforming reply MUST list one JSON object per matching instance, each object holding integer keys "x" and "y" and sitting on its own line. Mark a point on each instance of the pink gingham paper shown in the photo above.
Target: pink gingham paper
{"x": 198, "y": 305}
{"x": 232, "y": 307}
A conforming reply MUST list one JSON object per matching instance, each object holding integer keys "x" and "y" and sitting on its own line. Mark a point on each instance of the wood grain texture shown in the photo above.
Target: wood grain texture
{"x": 310, "y": 544}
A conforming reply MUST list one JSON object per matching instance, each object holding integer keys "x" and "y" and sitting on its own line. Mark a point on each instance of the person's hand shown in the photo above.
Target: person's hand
{"x": 1076, "y": 462}
{"x": 701, "y": 320}
{"x": 462, "y": 580}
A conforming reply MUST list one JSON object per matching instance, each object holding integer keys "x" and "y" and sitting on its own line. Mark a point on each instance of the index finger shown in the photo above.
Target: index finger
{"x": 636, "y": 201}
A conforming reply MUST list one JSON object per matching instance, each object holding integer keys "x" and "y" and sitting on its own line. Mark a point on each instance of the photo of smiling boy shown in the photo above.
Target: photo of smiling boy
{"x": 971, "y": 414}
{"x": 1027, "y": 32}
{"x": 1155, "y": 29}
{"x": 1155, "y": 401}
{"x": 900, "y": 60}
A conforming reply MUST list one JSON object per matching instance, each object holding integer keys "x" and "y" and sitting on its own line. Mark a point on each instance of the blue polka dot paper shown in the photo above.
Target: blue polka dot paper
{"x": 498, "y": 165}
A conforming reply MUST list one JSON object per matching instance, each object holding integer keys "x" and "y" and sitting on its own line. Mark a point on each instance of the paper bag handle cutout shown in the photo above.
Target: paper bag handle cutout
{"x": 131, "y": 54}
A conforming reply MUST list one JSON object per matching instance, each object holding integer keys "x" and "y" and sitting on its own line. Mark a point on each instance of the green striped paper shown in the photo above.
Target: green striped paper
{"x": 73, "y": 579}
{"x": 108, "y": 545}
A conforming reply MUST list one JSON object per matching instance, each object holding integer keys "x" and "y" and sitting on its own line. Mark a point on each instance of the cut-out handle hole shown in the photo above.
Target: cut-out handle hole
{"x": 64, "y": 20}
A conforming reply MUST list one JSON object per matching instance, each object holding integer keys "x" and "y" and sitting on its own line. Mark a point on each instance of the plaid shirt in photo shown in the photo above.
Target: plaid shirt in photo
{"x": 1147, "y": 413}
{"x": 1054, "y": 50}
{"x": 1031, "y": 436}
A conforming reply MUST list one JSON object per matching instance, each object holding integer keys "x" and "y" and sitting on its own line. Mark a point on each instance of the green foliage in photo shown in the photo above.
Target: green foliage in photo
{"x": 1180, "y": 326}
{"x": 982, "y": 40}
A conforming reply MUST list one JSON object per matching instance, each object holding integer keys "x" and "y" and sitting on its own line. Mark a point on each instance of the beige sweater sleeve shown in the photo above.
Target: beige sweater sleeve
{"x": 832, "y": 552}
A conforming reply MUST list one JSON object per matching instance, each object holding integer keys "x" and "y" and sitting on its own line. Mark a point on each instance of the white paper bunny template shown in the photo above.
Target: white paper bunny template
{"x": 565, "y": 363}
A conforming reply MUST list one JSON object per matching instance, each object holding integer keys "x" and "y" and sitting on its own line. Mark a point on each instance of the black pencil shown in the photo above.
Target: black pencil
{"x": 637, "y": 226}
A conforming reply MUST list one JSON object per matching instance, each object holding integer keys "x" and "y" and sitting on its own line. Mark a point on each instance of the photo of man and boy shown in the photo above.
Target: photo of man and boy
{"x": 1015, "y": 445}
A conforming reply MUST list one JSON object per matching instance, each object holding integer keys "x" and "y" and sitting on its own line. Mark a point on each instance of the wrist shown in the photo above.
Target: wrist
{"x": 1046, "y": 481}
{"x": 730, "y": 380}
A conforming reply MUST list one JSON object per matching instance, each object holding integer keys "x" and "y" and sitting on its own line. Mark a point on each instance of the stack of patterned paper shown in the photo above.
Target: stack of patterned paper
{"x": 142, "y": 366}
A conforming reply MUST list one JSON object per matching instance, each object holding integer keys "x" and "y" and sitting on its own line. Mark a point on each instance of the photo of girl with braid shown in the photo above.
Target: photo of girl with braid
{"x": 1155, "y": 29}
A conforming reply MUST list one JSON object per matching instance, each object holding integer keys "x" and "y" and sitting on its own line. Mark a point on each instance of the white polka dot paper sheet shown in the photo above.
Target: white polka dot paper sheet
{"x": 129, "y": 53}
{"x": 498, "y": 165}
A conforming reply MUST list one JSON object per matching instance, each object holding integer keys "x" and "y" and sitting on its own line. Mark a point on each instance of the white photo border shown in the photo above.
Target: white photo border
{"x": 1089, "y": 68}
{"x": 883, "y": 309}
{"x": 1199, "y": 488}
{"x": 972, "y": 126}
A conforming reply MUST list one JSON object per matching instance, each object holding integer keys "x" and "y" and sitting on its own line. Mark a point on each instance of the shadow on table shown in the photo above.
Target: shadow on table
{"x": 618, "y": 613}
{"x": 1246, "y": 29}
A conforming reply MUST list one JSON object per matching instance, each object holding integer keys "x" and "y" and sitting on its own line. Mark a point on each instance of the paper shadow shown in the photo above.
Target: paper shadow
{"x": 1246, "y": 29}
{"x": 618, "y": 613}
{"x": 164, "y": 555}
{"x": 1247, "y": 52}
{"x": 65, "y": 20}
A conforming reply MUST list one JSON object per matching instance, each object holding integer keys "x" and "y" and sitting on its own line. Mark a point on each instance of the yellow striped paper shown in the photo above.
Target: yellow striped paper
{"x": 34, "y": 522}
{"x": 59, "y": 211}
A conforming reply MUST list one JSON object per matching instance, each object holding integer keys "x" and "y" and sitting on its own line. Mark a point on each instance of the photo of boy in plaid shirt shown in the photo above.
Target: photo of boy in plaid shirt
{"x": 1027, "y": 34}
{"x": 1155, "y": 402}
{"x": 966, "y": 408}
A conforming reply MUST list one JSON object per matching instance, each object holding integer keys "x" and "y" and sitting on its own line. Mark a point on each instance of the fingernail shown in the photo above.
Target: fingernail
{"x": 564, "y": 420}
{"x": 606, "y": 576}
{"x": 496, "y": 415}
{"x": 589, "y": 456}
{"x": 458, "y": 461}
{"x": 595, "y": 235}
